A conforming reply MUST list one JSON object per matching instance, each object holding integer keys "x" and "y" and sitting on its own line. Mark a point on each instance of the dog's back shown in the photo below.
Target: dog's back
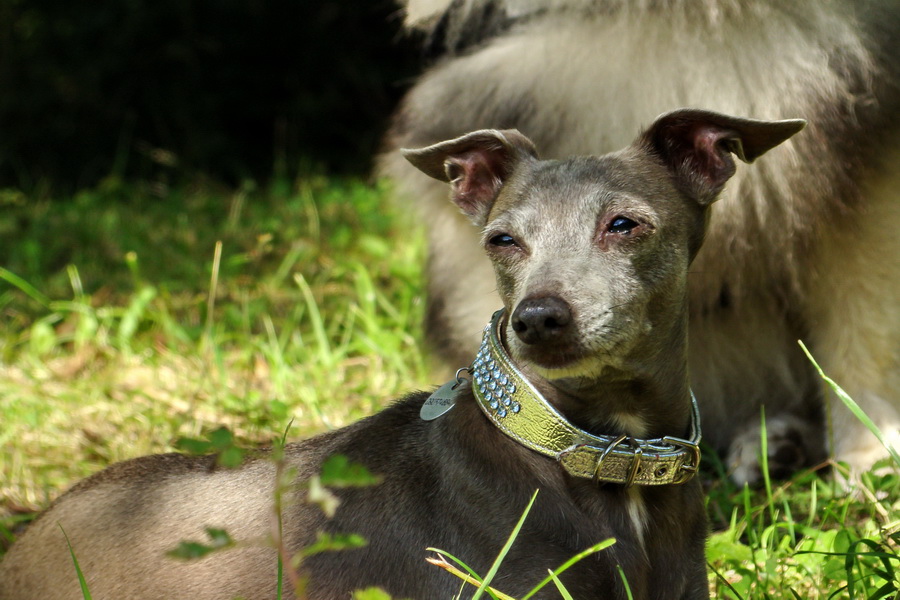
{"x": 462, "y": 493}
{"x": 792, "y": 251}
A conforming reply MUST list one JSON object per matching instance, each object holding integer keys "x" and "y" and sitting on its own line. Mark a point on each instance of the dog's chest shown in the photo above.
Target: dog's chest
{"x": 637, "y": 513}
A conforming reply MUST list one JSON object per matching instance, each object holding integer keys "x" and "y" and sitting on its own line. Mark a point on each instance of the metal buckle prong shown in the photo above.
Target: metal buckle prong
{"x": 606, "y": 452}
{"x": 694, "y": 464}
{"x": 635, "y": 465}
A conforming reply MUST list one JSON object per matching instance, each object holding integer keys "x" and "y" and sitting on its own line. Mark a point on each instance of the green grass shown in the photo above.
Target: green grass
{"x": 85, "y": 592}
{"x": 311, "y": 314}
{"x": 132, "y": 316}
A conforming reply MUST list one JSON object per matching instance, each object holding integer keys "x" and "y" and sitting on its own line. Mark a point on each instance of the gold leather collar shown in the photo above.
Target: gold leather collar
{"x": 521, "y": 412}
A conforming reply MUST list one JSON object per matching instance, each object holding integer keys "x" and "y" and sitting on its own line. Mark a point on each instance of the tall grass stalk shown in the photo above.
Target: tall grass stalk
{"x": 82, "y": 582}
{"x": 853, "y": 407}
{"x": 211, "y": 297}
{"x": 505, "y": 550}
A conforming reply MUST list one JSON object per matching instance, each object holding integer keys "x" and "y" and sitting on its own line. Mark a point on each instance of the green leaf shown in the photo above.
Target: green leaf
{"x": 221, "y": 438}
{"x": 190, "y": 551}
{"x": 42, "y": 338}
{"x": 723, "y": 546}
{"x": 321, "y": 496}
{"x": 327, "y": 542}
{"x": 219, "y": 441}
{"x": 193, "y": 446}
{"x": 219, "y": 539}
{"x": 371, "y": 594}
{"x": 337, "y": 471}
{"x": 231, "y": 458}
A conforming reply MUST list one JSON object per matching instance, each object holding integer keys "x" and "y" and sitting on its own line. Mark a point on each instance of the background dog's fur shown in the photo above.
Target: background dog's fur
{"x": 803, "y": 246}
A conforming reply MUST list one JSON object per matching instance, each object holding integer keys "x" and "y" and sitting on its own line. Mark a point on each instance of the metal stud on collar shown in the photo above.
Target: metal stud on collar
{"x": 496, "y": 386}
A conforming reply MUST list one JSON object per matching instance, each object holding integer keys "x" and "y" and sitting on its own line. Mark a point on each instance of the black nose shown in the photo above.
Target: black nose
{"x": 545, "y": 319}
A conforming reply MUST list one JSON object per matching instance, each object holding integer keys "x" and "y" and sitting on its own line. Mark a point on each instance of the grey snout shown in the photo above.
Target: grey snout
{"x": 544, "y": 319}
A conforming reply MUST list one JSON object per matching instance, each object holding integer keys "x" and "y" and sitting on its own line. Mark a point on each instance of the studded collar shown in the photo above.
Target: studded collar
{"x": 509, "y": 400}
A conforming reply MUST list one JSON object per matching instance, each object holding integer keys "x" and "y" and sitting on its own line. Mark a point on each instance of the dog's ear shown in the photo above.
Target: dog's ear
{"x": 697, "y": 145}
{"x": 476, "y": 165}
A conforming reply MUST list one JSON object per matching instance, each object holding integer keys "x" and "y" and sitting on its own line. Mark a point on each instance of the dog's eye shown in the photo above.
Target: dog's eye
{"x": 503, "y": 240}
{"x": 622, "y": 224}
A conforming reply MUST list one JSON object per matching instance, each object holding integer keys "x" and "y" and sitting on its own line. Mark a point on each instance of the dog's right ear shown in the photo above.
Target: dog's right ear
{"x": 696, "y": 145}
{"x": 476, "y": 165}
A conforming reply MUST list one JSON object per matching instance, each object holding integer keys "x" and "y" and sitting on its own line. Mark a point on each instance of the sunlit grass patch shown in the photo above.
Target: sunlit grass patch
{"x": 308, "y": 311}
{"x": 811, "y": 539}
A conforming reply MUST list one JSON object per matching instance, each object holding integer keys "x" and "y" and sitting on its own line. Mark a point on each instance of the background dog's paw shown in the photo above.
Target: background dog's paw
{"x": 792, "y": 444}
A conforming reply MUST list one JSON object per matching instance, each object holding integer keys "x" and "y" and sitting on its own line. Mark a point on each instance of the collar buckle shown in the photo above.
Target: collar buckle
{"x": 688, "y": 467}
{"x": 609, "y": 448}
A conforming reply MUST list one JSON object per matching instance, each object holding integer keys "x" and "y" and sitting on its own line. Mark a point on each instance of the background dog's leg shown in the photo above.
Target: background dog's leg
{"x": 741, "y": 360}
{"x": 462, "y": 293}
{"x": 789, "y": 441}
{"x": 856, "y": 312}
{"x": 461, "y": 289}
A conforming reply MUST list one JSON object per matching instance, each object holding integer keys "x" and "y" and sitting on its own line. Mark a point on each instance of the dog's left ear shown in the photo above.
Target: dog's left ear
{"x": 476, "y": 165}
{"x": 696, "y": 145}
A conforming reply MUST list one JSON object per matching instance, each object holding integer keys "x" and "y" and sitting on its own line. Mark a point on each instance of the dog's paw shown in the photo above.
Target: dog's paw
{"x": 791, "y": 445}
{"x": 860, "y": 450}
{"x": 867, "y": 455}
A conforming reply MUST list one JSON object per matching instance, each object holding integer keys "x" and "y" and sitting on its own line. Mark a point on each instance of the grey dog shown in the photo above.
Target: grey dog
{"x": 804, "y": 247}
{"x": 580, "y": 391}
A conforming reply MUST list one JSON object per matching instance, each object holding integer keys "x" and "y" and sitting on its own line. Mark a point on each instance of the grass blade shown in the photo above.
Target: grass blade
{"x": 316, "y": 320}
{"x": 211, "y": 297}
{"x": 724, "y": 581}
{"x": 472, "y": 576}
{"x": 24, "y": 286}
{"x": 466, "y": 577}
{"x": 764, "y": 461}
{"x": 85, "y": 592}
{"x": 852, "y": 406}
{"x": 503, "y": 552}
{"x": 561, "y": 588}
{"x": 625, "y": 582}
{"x": 554, "y": 574}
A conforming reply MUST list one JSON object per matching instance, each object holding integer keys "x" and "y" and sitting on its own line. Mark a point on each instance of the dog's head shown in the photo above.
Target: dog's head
{"x": 591, "y": 253}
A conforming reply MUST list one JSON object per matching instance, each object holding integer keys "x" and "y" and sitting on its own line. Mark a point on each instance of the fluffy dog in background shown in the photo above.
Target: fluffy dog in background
{"x": 804, "y": 247}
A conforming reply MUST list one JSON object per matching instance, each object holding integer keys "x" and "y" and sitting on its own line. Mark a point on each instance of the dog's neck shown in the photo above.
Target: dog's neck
{"x": 639, "y": 407}
{"x": 647, "y": 396}
{"x": 524, "y": 412}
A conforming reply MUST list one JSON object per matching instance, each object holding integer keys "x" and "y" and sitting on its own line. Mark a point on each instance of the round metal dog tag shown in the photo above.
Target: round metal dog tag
{"x": 442, "y": 400}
